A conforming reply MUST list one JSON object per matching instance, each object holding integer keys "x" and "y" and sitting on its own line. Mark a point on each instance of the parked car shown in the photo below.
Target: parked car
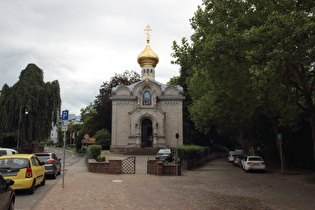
{"x": 231, "y": 157}
{"x": 254, "y": 163}
{"x": 164, "y": 154}
{"x": 26, "y": 170}
{"x": 237, "y": 159}
{"x": 241, "y": 161}
{"x": 52, "y": 163}
{"x": 7, "y": 194}
{"x": 7, "y": 151}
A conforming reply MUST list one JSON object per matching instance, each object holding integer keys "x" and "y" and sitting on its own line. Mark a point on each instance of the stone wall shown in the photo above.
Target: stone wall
{"x": 110, "y": 167}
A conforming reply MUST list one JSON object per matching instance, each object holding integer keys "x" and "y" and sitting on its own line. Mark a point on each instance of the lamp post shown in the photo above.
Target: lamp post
{"x": 19, "y": 126}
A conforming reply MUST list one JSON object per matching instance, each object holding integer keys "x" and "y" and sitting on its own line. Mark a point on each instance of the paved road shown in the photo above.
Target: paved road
{"x": 25, "y": 201}
{"x": 218, "y": 185}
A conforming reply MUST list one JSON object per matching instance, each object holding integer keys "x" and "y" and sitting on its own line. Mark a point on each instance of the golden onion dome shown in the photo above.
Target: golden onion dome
{"x": 147, "y": 57}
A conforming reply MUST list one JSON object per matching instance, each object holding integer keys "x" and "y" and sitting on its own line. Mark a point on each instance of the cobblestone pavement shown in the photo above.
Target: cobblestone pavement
{"x": 218, "y": 185}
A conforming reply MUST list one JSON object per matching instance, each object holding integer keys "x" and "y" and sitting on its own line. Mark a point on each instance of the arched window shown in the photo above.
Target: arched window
{"x": 146, "y": 98}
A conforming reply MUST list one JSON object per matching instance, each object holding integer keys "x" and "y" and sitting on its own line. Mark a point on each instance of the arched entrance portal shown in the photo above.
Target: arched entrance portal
{"x": 146, "y": 133}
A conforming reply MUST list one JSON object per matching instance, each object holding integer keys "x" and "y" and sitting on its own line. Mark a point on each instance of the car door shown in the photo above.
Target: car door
{"x": 38, "y": 170}
{"x": 4, "y": 194}
{"x": 57, "y": 161}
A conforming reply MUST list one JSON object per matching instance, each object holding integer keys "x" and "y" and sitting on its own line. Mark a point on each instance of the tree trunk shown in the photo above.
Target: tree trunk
{"x": 312, "y": 124}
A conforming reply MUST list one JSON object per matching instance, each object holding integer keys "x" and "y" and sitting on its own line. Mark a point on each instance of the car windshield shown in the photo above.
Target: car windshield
{"x": 255, "y": 159}
{"x": 165, "y": 151}
{"x": 14, "y": 163}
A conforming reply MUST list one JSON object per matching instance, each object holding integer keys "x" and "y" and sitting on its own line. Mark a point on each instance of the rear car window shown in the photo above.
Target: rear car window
{"x": 14, "y": 163}
{"x": 43, "y": 157}
{"x": 255, "y": 159}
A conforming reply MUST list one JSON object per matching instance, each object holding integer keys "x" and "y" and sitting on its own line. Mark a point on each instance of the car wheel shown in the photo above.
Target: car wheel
{"x": 44, "y": 181}
{"x": 54, "y": 175}
{"x": 11, "y": 207}
{"x": 32, "y": 188}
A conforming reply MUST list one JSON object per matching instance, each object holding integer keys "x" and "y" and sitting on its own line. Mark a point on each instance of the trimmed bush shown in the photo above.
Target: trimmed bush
{"x": 190, "y": 152}
{"x": 101, "y": 158}
{"x": 93, "y": 151}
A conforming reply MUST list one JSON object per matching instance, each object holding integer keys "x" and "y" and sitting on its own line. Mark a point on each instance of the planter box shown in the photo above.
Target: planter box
{"x": 154, "y": 167}
{"x": 110, "y": 167}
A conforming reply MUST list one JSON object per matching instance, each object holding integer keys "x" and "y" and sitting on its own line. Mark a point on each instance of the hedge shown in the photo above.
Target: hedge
{"x": 190, "y": 152}
{"x": 93, "y": 151}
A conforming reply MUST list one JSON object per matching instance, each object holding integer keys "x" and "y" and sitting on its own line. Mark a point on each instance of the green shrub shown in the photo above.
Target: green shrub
{"x": 101, "y": 158}
{"x": 93, "y": 151}
{"x": 103, "y": 138}
{"x": 189, "y": 152}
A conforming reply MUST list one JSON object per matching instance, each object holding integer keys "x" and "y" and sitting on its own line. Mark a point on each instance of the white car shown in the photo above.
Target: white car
{"x": 7, "y": 151}
{"x": 254, "y": 163}
{"x": 231, "y": 156}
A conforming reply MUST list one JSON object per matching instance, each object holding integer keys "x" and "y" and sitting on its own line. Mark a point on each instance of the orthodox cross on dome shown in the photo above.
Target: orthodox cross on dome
{"x": 148, "y": 29}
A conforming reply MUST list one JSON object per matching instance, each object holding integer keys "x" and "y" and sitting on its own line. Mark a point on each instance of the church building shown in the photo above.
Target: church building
{"x": 146, "y": 114}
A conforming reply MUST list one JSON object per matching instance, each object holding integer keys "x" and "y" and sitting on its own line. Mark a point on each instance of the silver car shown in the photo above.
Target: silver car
{"x": 52, "y": 163}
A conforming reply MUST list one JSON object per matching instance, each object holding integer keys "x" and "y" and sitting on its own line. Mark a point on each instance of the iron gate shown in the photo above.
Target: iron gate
{"x": 129, "y": 165}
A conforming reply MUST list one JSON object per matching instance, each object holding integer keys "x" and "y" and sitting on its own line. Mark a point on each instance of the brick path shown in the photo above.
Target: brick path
{"x": 209, "y": 187}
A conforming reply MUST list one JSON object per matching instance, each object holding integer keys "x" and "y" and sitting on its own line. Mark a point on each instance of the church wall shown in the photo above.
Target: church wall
{"x": 120, "y": 122}
{"x": 173, "y": 121}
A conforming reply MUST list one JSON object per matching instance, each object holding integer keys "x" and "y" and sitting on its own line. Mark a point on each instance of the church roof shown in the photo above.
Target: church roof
{"x": 132, "y": 86}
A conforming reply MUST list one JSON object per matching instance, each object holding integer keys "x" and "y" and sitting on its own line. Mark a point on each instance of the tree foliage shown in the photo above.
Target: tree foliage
{"x": 41, "y": 100}
{"x": 102, "y": 103}
{"x": 103, "y": 138}
{"x": 250, "y": 59}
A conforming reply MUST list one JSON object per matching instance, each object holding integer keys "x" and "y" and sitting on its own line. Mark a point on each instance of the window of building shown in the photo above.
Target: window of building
{"x": 146, "y": 98}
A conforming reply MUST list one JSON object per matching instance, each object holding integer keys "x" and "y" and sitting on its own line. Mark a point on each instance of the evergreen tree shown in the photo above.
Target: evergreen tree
{"x": 40, "y": 100}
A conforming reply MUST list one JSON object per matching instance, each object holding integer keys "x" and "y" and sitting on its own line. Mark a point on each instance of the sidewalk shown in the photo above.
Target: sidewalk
{"x": 85, "y": 190}
{"x": 209, "y": 187}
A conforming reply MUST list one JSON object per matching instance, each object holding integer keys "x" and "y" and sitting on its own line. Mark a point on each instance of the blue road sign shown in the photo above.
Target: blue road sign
{"x": 65, "y": 114}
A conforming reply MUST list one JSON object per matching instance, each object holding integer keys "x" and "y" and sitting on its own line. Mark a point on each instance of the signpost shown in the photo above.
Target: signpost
{"x": 280, "y": 141}
{"x": 65, "y": 117}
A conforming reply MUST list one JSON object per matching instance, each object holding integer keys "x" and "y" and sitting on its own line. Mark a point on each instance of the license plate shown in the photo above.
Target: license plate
{"x": 255, "y": 164}
{"x": 9, "y": 174}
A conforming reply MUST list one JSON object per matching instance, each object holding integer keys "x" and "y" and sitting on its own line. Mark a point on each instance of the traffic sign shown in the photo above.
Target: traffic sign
{"x": 64, "y": 128}
{"x": 65, "y": 114}
{"x": 86, "y": 136}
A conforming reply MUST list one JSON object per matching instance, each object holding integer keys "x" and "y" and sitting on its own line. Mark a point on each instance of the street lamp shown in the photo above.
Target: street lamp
{"x": 19, "y": 126}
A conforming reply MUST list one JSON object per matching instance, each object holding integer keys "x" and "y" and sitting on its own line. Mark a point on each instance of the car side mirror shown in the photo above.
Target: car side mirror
{"x": 9, "y": 182}
{"x": 42, "y": 163}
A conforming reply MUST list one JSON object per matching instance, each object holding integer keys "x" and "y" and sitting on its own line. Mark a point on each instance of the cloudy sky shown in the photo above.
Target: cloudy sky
{"x": 83, "y": 43}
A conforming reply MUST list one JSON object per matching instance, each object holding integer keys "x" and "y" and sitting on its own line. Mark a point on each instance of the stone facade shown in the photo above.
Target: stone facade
{"x": 146, "y": 122}
{"x": 146, "y": 113}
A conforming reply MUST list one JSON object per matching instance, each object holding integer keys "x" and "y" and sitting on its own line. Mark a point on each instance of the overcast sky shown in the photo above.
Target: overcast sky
{"x": 83, "y": 43}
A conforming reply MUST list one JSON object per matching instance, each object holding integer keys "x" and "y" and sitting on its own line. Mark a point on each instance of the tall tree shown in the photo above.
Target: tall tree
{"x": 102, "y": 103}
{"x": 247, "y": 58}
{"x": 41, "y": 101}
{"x": 283, "y": 54}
